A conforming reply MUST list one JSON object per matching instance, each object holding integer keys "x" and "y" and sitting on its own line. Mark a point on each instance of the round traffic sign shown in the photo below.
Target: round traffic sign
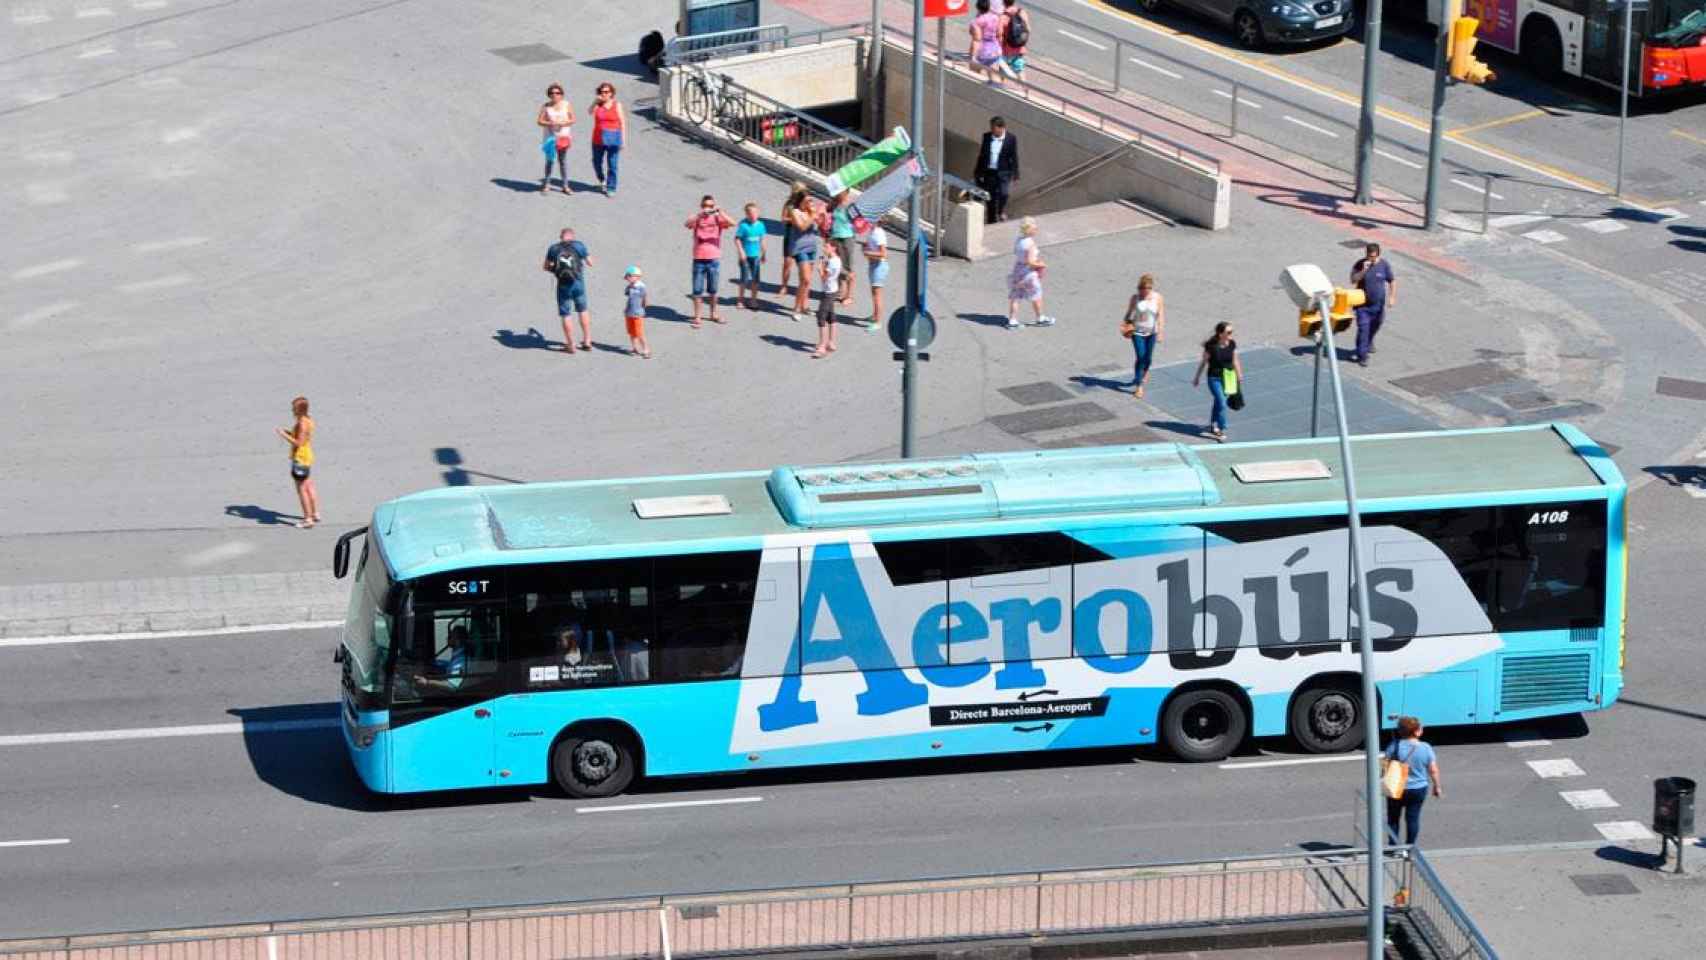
{"x": 905, "y": 325}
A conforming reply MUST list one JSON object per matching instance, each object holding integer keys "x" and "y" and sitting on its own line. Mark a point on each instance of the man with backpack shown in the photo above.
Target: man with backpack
{"x": 567, "y": 260}
{"x": 1015, "y": 35}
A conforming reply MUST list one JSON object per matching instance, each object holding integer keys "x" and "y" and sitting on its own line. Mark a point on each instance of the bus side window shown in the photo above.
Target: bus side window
{"x": 1551, "y": 567}
{"x": 704, "y": 609}
{"x": 583, "y": 624}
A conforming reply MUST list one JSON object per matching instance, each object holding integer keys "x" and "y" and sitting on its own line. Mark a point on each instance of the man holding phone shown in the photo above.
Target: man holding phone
{"x": 707, "y": 227}
{"x": 1373, "y": 276}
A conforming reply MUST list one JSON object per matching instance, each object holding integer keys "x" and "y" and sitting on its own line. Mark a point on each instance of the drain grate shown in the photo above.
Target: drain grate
{"x": 1051, "y": 418}
{"x": 1683, "y": 389}
{"x": 1112, "y": 438}
{"x": 530, "y": 53}
{"x": 1603, "y": 884}
{"x": 1454, "y": 379}
{"x": 1034, "y": 394}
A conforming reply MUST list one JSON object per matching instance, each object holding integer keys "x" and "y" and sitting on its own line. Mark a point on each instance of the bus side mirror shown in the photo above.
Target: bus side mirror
{"x": 340, "y": 553}
{"x": 338, "y": 655}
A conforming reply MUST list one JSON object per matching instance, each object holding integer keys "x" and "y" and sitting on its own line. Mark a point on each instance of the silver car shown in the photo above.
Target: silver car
{"x": 1258, "y": 23}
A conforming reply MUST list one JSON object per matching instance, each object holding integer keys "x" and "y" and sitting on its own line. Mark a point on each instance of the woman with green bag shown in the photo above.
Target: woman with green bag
{"x": 1225, "y": 376}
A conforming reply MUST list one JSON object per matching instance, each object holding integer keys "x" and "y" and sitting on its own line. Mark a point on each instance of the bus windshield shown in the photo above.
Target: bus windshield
{"x": 1679, "y": 23}
{"x": 367, "y": 627}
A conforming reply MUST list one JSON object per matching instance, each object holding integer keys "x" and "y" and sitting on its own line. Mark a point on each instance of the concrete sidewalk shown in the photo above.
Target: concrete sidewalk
{"x": 1581, "y": 900}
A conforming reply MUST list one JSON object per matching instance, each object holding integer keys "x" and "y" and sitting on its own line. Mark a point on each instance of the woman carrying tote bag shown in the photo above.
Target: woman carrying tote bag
{"x": 1408, "y": 760}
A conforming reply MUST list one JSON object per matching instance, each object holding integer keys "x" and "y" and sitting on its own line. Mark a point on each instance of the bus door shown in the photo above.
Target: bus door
{"x": 1602, "y": 54}
{"x": 444, "y": 693}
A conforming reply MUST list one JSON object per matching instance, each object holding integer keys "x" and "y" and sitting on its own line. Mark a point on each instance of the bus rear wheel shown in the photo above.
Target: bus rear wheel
{"x": 1203, "y": 726}
{"x": 1327, "y": 719}
{"x": 595, "y": 762}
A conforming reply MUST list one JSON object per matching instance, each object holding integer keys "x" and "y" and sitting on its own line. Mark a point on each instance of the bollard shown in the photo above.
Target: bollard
{"x": 1234, "y": 108}
{"x": 1486, "y": 200}
{"x": 1673, "y": 814}
{"x": 1119, "y": 63}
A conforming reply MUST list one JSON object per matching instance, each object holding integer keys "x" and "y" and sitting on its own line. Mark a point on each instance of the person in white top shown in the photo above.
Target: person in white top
{"x": 876, "y": 248}
{"x": 1025, "y": 282}
{"x": 555, "y": 119}
{"x": 1145, "y": 323}
{"x": 830, "y": 287}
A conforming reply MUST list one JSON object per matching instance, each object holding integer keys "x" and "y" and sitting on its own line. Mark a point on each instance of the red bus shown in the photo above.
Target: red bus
{"x": 1584, "y": 38}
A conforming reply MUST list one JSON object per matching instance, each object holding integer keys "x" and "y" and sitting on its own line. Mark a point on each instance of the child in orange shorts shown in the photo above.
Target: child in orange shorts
{"x": 634, "y": 313}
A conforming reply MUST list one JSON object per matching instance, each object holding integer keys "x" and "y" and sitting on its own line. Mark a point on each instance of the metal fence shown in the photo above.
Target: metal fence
{"x": 760, "y": 39}
{"x": 1109, "y": 901}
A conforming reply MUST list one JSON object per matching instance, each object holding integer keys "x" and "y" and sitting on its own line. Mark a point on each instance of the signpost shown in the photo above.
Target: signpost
{"x": 1629, "y": 8}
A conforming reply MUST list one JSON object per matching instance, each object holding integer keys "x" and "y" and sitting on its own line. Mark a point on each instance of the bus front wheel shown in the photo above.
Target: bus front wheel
{"x": 1327, "y": 719}
{"x": 595, "y": 762}
{"x": 1204, "y": 725}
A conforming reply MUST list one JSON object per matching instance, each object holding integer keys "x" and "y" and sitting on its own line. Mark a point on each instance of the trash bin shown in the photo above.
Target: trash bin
{"x": 1673, "y": 806}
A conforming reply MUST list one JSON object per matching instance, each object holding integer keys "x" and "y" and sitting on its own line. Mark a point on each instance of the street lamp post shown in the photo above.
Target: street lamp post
{"x": 1623, "y": 85}
{"x": 1365, "y": 122}
{"x": 915, "y": 245}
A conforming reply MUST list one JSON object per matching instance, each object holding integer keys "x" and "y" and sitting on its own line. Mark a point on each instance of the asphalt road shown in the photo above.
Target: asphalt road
{"x": 263, "y": 817}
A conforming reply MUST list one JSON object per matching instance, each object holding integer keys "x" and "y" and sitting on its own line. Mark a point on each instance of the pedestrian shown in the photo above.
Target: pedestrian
{"x": 986, "y": 42}
{"x": 1025, "y": 282}
{"x": 997, "y": 168}
{"x": 1220, "y": 357}
{"x": 841, "y": 237}
{"x": 830, "y": 285}
{"x": 1015, "y": 37}
{"x": 876, "y": 250}
{"x": 707, "y": 228}
{"x": 797, "y": 192}
{"x": 749, "y": 234}
{"x": 1146, "y": 324}
{"x": 1408, "y": 747}
{"x": 634, "y": 312}
{"x": 300, "y": 436}
{"x": 556, "y": 118}
{"x": 567, "y": 260}
{"x": 1373, "y": 276}
{"x": 806, "y": 246}
{"x": 609, "y": 129}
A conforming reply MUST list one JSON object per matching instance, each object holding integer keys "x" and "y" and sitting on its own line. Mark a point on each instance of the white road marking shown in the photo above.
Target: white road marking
{"x": 86, "y": 13}
{"x": 1604, "y": 226}
{"x": 1545, "y": 236}
{"x": 668, "y": 805}
{"x": 217, "y": 554}
{"x": 1477, "y": 188}
{"x": 1073, "y": 36}
{"x": 176, "y": 243}
{"x": 43, "y": 269}
{"x": 158, "y": 283}
{"x": 1397, "y": 159}
{"x": 1295, "y": 762}
{"x": 158, "y": 43}
{"x": 161, "y": 733}
{"x": 1518, "y": 219}
{"x": 180, "y": 134}
{"x": 30, "y": 17}
{"x": 1553, "y": 769}
{"x": 1243, "y": 101}
{"x": 1588, "y": 799}
{"x": 1624, "y": 830}
{"x": 26, "y": 320}
{"x": 166, "y": 634}
{"x": 93, "y": 52}
{"x": 149, "y": 4}
{"x": 1519, "y": 741}
{"x": 1150, "y": 66}
{"x": 1311, "y": 126}
{"x": 55, "y": 842}
{"x": 1666, "y": 214}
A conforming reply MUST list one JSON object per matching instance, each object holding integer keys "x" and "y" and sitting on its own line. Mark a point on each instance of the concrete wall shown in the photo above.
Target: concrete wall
{"x": 814, "y": 75}
{"x": 1051, "y": 144}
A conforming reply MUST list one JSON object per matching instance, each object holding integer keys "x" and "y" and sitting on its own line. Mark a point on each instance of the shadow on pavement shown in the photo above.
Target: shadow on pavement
{"x": 457, "y": 475}
{"x": 987, "y": 319}
{"x": 531, "y": 340}
{"x": 1101, "y": 383}
{"x": 777, "y": 340}
{"x": 1628, "y": 857}
{"x": 667, "y": 314}
{"x": 262, "y": 515}
{"x": 1681, "y": 475}
{"x": 1175, "y": 426}
{"x": 627, "y": 63}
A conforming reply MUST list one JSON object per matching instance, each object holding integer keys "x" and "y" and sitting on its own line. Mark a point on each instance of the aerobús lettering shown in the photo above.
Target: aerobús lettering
{"x": 835, "y": 591}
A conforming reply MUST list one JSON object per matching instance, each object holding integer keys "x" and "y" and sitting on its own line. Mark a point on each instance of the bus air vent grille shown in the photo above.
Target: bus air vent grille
{"x": 1543, "y": 681}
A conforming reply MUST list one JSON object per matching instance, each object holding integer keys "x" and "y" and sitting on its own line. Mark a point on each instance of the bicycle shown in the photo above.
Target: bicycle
{"x": 709, "y": 97}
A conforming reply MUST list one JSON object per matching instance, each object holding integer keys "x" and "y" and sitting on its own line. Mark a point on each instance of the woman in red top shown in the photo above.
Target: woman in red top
{"x": 609, "y": 127}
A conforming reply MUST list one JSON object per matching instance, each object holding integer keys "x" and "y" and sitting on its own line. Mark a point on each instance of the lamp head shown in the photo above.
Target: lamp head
{"x": 1305, "y": 284}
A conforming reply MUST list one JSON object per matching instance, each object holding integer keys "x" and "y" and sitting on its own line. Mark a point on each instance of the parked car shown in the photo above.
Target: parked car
{"x": 1258, "y": 23}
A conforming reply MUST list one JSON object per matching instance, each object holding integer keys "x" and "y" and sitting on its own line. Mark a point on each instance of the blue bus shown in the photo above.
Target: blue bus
{"x": 589, "y": 633}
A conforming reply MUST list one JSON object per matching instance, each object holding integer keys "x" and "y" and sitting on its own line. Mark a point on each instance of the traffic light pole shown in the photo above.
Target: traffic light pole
{"x": 915, "y": 244}
{"x": 1365, "y": 123}
{"x": 1430, "y": 206}
{"x": 1623, "y": 91}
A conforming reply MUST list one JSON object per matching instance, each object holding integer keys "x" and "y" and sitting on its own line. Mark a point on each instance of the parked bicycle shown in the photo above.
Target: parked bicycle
{"x": 715, "y": 97}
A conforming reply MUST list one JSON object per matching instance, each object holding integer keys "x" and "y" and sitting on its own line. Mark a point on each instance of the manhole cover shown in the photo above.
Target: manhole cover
{"x": 530, "y": 53}
{"x": 1684, "y": 389}
{"x": 1603, "y": 884}
{"x": 1454, "y": 379}
{"x": 1051, "y": 418}
{"x": 1033, "y": 394}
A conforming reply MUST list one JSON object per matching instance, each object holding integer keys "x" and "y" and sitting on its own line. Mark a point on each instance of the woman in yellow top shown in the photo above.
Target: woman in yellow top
{"x": 300, "y": 436}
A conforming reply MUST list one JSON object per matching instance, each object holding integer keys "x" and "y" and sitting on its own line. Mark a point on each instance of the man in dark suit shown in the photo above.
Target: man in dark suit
{"x": 997, "y": 168}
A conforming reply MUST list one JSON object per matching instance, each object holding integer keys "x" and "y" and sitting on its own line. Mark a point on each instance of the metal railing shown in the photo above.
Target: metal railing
{"x": 718, "y": 101}
{"x": 1109, "y": 901}
{"x": 760, "y": 39}
{"x": 1075, "y": 108}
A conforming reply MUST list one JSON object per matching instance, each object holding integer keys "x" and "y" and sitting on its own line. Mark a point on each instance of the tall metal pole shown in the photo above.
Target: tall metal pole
{"x": 1315, "y": 391}
{"x": 1365, "y": 647}
{"x": 941, "y": 129}
{"x": 1365, "y": 123}
{"x": 874, "y": 62}
{"x": 1430, "y": 206}
{"x": 915, "y": 247}
{"x": 1623, "y": 88}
